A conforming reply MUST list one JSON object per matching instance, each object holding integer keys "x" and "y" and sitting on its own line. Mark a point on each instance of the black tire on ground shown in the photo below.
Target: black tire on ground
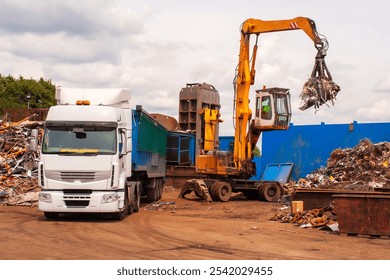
{"x": 51, "y": 215}
{"x": 270, "y": 192}
{"x": 152, "y": 195}
{"x": 126, "y": 209}
{"x": 137, "y": 200}
{"x": 130, "y": 206}
{"x": 221, "y": 191}
{"x": 161, "y": 186}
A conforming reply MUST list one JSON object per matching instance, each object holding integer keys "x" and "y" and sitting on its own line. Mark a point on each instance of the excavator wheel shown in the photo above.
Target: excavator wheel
{"x": 221, "y": 191}
{"x": 270, "y": 192}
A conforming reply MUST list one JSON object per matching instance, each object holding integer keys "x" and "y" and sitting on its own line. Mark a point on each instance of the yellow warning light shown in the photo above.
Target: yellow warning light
{"x": 83, "y": 102}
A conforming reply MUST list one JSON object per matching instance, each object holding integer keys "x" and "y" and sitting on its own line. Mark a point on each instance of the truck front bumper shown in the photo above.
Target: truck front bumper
{"x": 94, "y": 202}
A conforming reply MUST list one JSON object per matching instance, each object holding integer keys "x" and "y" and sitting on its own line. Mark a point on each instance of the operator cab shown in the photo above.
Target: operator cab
{"x": 273, "y": 109}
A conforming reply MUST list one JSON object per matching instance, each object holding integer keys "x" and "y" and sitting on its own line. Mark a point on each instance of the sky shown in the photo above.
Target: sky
{"x": 156, "y": 47}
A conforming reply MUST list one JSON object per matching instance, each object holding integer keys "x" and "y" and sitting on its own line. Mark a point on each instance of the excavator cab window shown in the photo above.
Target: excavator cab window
{"x": 273, "y": 109}
{"x": 266, "y": 107}
{"x": 283, "y": 109}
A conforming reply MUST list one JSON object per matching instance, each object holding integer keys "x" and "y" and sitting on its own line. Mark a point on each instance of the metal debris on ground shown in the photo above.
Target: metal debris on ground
{"x": 18, "y": 182}
{"x": 321, "y": 218}
{"x": 160, "y": 205}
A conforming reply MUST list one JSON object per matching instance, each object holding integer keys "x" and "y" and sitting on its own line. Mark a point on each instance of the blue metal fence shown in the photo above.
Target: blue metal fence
{"x": 308, "y": 147}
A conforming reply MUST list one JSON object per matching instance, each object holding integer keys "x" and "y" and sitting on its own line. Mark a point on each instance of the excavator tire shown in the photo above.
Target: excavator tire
{"x": 221, "y": 191}
{"x": 270, "y": 192}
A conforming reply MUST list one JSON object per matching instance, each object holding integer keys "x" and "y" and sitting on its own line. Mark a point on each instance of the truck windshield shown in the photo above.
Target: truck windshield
{"x": 86, "y": 140}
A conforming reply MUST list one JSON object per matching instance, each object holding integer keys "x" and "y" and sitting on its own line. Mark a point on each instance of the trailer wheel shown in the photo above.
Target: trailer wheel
{"x": 153, "y": 190}
{"x": 51, "y": 215}
{"x": 161, "y": 186}
{"x": 152, "y": 195}
{"x": 221, "y": 191}
{"x": 270, "y": 192}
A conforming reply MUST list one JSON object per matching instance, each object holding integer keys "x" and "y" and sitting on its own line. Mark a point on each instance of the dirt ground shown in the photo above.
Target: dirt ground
{"x": 185, "y": 229}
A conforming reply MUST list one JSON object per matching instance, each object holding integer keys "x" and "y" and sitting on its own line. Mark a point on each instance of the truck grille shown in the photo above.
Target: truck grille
{"x": 71, "y": 176}
{"x": 76, "y": 203}
{"x": 82, "y": 176}
{"x": 77, "y": 198}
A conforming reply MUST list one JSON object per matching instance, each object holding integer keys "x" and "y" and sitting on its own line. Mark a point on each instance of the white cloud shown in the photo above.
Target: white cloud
{"x": 378, "y": 111}
{"x": 72, "y": 16}
{"x": 383, "y": 85}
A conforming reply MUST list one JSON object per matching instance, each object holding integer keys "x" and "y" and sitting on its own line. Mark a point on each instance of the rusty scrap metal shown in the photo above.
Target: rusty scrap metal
{"x": 318, "y": 218}
{"x": 320, "y": 88}
{"x": 18, "y": 182}
{"x": 364, "y": 167}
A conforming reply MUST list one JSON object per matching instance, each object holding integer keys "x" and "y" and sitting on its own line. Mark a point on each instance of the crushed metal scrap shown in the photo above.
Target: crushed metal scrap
{"x": 18, "y": 182}
{"x": 321, "y": 218}
{"x": 364, "y": 167}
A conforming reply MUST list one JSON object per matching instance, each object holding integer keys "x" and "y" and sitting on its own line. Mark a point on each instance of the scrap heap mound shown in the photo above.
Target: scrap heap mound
{"x": 18, "y": 182}
{"x": 364, "y": 167}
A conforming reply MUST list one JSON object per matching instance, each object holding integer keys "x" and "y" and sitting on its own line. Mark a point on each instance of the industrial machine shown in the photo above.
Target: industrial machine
{"x": 228, "y": 172}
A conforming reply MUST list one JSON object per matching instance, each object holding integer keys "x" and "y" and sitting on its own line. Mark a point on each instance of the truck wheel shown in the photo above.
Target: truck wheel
{"x": 152, "y": 195}
{"x": 51, "y": 215}
{"x": 161, "y": 187}
{"x": 221, "y": 191}
{"x": 130, "y": 207}
{"x": 137, "y": 201}
{"x": 270, "y": 192}
{"x": 126, "y": 209}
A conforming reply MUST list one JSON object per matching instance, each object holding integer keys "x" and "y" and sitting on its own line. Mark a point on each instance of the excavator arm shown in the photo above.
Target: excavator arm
{"x": 318, "y": 90}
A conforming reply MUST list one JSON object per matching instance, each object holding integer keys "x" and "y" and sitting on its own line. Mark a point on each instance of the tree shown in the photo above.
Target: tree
{"x": 25, "y": 93}
{"x": 256, "y": 152}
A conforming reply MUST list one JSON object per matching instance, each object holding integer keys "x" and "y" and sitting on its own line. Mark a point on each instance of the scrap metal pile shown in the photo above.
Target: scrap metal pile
{"x": 364, "y": 167}
{"x": 18, "y": 182}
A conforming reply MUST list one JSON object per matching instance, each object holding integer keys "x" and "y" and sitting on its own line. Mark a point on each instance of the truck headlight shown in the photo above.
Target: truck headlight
{"x": 45, "y": 197}
{"x": 108, "y": 198}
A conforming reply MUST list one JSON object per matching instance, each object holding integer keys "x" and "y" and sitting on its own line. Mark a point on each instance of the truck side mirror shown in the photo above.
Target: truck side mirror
{"x": 122, "y": 143}
{"x": 33, "y": 143}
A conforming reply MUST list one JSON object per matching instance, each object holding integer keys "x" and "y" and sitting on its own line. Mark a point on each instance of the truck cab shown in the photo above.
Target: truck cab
{"x": 86, "y": 155}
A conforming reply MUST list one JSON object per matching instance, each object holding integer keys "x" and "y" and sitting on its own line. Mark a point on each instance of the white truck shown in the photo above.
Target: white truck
{"x": 98, "y": 155}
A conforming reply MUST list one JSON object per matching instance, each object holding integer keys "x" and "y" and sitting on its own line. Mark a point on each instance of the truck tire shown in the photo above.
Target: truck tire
{"x": 137, "y": 201}
{"x": 221, "y": 191}
{"x": 153, "y": 190}
{"x": 51, "y": 215}
{"x": 127, "y": 208}
{"x": 270, "y": 192}
{"x": 152, "y": 195}
{"x": 161, "y": 186}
